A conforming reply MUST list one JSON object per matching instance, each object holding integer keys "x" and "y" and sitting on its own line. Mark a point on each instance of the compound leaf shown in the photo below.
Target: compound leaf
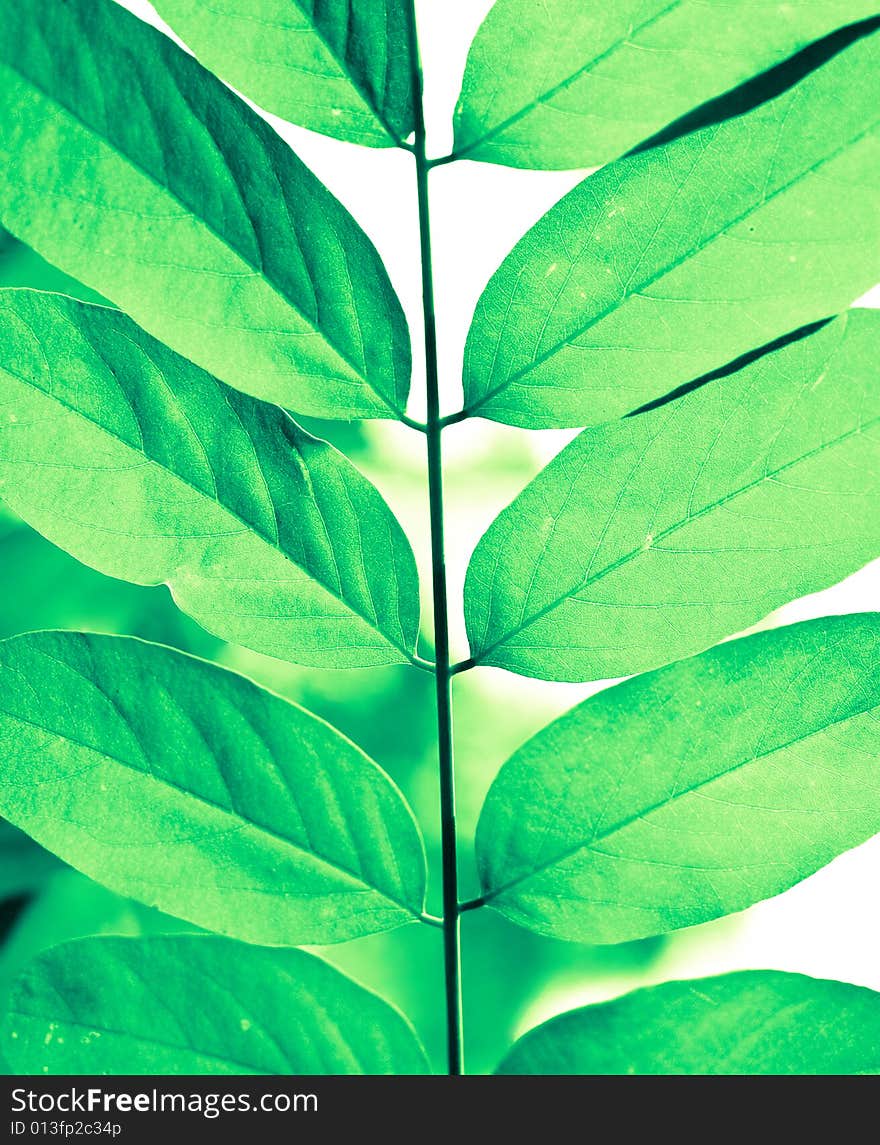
{"x": 651, "y": 538}
{"x": 148, "y": 469}
{"x": 126, "y": 1006}
{"x": 131, "y": 167}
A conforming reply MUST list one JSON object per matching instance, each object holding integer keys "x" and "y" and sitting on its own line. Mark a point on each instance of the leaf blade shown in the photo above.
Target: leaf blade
{"x": 671, "y": 263}
{"x": 342, "y": 69}
{"x": 187, "y": 787}
{"x": 139, "y": 173}
{"x": 751, "y": 1022}
{"x": 96, "y": 1003}
{"x": 712, "y": 510}
{"x": 565, "y": 96}
{"x": 682, "y": 795}
{"x": 148, "y": 469}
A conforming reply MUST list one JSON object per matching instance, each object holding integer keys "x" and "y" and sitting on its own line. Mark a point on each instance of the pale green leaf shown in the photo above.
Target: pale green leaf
{"x": 148, "y": 469}
{"x": 753, "y": 1022}
{"x": 187, "y": 787}
{"x": 671, "y": 263}
{"x": 196, "y": 1004}
{"x": 342, "y": 68}
{"x": 136, "y": 171}
{"x": 693, "y": 791}
{"x": 565, "y": 84}
{"x": 651, "y": 538}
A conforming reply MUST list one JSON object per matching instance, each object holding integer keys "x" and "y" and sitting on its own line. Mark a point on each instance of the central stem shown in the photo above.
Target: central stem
{"x": 433, "y": 433}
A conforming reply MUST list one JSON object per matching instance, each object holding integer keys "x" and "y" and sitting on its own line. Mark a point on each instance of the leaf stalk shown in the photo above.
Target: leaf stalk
{"x": 443, "y": 674}
{"x": 454, "y": 418}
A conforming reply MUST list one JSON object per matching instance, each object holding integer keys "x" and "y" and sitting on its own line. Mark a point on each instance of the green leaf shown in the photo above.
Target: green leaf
{"x": 691, "y": 792}
{"x": 342, "y": 68}
{"x": 136, "y": 171}
{"x": 673, "y": 262}
{"x": 149, "y": 470}
{"x": 126, "y": 1006}
{"x": 187, "y": 787}
{"x": 558, "y": 85}
{"x": 753, "y": 1022}
{"x": 651, "y": 538}
{"x": 24, "y": 866}
{"x": 68, "y": 906}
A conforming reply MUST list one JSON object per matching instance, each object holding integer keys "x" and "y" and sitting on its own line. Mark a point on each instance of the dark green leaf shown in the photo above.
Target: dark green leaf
{"x": 189, "y": 788}
{"x": 754, "y": 1022}
{"x": 136, "y": 171}
{"x": 691, "y": 792}
{"x": 651, "y": 538}
{"x": 671, "y": 263}
{"x": 149, "y": 470}
{"x": 342, "y": 68}
{"x": 196, "y": 1004}
{"x": 560, "y": 84}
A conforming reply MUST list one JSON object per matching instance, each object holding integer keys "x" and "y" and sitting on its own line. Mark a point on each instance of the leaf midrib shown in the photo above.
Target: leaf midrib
{"x": 672, "y": 529}
{"x": 258, "y": 271}
{"x": 247, "y": 525}
{"x": 332, "y": 864}
{"x": 547, "y": 95}
{"x": 601, "y": 837}
{"x": 668, "y": 268}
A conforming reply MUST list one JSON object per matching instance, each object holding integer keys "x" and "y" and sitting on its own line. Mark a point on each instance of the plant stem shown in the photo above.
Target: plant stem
{"x": 443, "y": 675}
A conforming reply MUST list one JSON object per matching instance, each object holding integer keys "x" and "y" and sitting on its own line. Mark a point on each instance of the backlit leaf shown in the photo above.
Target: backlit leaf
{"x": 671, "y": 263}
{"x": 651, "y": 538}
{"x": 569, "y": 84}
{"x": 691, "y": 792}
{"x": 136, "y": 171}
{"x": 196, "y": 1004}
{"x": 342, "y": 68}
{"x": 754, "y": 1022}
{"x": 187, "y": 787}
{"x": 67, "y": 906}
{"x": 146, "y": 468}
